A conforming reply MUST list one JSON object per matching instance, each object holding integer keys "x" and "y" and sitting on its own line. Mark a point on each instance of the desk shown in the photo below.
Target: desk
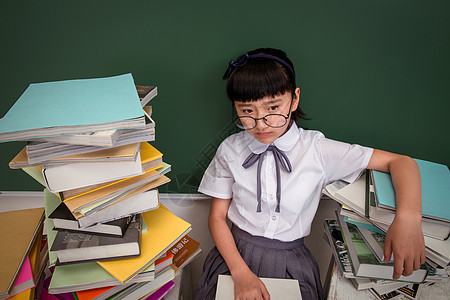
{"x": 341, "y": 288}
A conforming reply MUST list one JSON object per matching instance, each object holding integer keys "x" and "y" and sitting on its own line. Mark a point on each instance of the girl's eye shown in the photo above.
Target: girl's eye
{"x": 247, "y": 111}
{"x": 273, "y": 108}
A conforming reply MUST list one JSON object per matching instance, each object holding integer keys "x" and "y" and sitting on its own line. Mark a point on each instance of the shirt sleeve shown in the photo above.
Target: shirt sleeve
{"x": 342, "y": 161}
{"x": 218, "y": 180}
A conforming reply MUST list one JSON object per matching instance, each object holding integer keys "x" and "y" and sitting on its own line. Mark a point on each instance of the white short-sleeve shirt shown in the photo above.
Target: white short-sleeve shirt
{"x": 316, "y": 161}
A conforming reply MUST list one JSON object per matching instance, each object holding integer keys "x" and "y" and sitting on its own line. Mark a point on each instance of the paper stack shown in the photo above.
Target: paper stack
{"x": 367, "y": 209}
{"x": 88, "y": 145}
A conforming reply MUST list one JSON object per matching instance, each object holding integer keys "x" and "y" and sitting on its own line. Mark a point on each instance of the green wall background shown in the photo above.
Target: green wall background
{"x": 376, "y": 73}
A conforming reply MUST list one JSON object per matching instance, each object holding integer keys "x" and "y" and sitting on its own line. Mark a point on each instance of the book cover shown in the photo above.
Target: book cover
{"x": 63, "y": 219}
{"x": 89, "y": 275}
{"x": 162, "y": 291}
{"x": 364, "y": 262}
{"x": 146, "y": 93}
{"x": 42, "y": 108}
{"x": 338, "y": 248}
{"x": 24, "y": 281}
{"x": 126, "y": 153}
{"x": 435, "y": 180}
{"x": 19, "y": 229}
{"x": 183, "y": 250}
{"x": 71, "y": 176}
{"x": 164, "y": 230}
{"x": 73, "y": 247}
{"x": 286, "y": 289}
{"x": 139, "y": 203}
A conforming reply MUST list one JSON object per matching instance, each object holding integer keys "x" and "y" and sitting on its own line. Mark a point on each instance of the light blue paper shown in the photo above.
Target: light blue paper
{"x": 435, "y": 180}
{"x": 74, "y": 102}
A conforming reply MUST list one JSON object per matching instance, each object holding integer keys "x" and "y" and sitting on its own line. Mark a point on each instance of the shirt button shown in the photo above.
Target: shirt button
{"x": 270, "y": 196}
{"x": 274, "y": 218}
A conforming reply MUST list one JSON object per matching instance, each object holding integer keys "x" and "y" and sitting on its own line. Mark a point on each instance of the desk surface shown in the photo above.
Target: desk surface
{"x": 342, "y": 289}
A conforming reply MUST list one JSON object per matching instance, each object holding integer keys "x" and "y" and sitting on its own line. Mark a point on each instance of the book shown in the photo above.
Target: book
{"x": 163, "y": 262}
{"x": 115, "y": 154}
{"x": 73, "y": 247}
{"x": 106, "y": 138}
{"x": 336, "y": 241}
{"x": 151, "y": 159}
{"x": 38, "y": 152}
{"x": 90, "y": 275}
{"x": 287, "y": 289}
{"x": 63, "y": 219}
{"x": 365, "y": 264}
{"x": 96, "y": 193}
{"x": 182, "y": 250}
{"x": 356, "y": 197}
{"x": 146, "y": 93}
{"x": 71, "y": 176}
{"x": 164, "y": 230}
{"x": 24, "y": 281}
{"x": 161, "y": 292}
{"x": 121, "y": 191}
{"x": 19, "y": 229}
{"x": 71, "y": 107}
{"x": 153, "y": 184}
{"x": 139, "y": 203}
{"x": 435, "y": 181}
{"x": 141, "y": 289}
{"x": 375, "y": 241}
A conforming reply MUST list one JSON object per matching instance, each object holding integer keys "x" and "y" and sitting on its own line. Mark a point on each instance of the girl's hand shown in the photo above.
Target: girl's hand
{"x": 248, "y": 286}
{"x": 405, "y": 240}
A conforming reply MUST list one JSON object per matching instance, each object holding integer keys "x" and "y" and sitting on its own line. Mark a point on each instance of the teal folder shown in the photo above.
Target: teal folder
{"x": 65, "y": 107}
{"x": 435, "y": 180}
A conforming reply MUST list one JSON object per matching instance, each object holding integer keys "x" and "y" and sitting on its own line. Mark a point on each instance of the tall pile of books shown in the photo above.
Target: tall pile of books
{"x": 88, "y": 145}
{"x": 357, "y": 235}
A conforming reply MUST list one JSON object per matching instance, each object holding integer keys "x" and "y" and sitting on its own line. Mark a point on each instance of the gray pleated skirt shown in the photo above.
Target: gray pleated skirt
{"x": 266, "y": 258}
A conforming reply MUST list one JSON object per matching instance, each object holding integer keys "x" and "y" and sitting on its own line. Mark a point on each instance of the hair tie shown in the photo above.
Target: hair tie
{"x": 243, "y": 59}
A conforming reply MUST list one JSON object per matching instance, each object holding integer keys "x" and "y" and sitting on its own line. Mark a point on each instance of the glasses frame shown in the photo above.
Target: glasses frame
{"x": 264, "y": 119}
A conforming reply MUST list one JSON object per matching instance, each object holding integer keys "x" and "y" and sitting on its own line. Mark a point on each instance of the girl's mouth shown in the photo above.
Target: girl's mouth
{"x": 263, "y": 134}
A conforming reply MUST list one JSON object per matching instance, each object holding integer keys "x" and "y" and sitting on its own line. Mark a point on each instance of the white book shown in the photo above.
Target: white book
{"x": 140, "y": 203}
{"x": 71, "y": 176}
{"x": 286, "y": 289}
{"x": 143, "y": 289}
{"x": 105, "y": 138}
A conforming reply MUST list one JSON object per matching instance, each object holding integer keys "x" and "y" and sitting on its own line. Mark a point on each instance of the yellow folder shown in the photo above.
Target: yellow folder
{"x": 164, "y": 230}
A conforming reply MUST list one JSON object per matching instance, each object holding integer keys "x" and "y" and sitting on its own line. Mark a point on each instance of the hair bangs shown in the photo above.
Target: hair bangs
{"x": 260, "y": 78}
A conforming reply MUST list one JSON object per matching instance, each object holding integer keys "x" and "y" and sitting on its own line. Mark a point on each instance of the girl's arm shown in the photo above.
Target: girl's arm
{"x": 404, "y": 238}
{"x": 246, "y": 284}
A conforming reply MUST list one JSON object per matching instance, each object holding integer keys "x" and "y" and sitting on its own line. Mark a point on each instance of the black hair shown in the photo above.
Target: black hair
{"x": 262, "y": 76}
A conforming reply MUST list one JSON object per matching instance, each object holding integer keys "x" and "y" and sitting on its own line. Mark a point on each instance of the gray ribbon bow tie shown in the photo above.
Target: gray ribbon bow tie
{"x": 280, "y": 159}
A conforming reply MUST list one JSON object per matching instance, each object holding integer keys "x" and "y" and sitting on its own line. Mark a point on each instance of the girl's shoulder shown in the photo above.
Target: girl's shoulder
{"x": 307, "y": 135}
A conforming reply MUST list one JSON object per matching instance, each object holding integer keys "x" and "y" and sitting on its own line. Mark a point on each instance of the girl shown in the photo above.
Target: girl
{"x": 267, "y": 180}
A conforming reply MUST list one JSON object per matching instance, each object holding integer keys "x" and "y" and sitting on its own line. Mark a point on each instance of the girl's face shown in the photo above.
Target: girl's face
{"x": 263, "y": 107}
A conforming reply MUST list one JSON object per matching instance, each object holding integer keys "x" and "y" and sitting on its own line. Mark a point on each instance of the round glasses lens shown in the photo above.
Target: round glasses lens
{"x": 275, "y": 120}
{"x": 245, "y": 122}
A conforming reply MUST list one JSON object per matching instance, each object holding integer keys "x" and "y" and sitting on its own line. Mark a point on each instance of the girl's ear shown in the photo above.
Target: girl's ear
{"x": 296, "y": 99}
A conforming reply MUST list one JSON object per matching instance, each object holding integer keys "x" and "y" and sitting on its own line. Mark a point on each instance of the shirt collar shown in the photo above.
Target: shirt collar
{"x": 285, "y": 142}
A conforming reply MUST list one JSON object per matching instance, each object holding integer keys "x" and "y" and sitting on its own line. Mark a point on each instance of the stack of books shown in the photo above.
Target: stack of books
{"x": 22, "y": 251}
{"x": 88, "y": 145}
{"x": 357, "y": 234}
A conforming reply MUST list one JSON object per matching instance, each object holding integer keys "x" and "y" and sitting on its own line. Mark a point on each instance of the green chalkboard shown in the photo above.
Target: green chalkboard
{"x": 375, "y": 73}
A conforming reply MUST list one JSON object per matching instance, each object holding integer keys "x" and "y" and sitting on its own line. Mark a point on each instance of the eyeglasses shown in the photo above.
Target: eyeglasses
{"x": 271, "y": 120}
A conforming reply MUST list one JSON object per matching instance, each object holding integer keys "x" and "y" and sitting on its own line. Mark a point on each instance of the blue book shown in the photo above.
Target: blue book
{"x": 72, "y": 107}
{"x": 435, "y": 179}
